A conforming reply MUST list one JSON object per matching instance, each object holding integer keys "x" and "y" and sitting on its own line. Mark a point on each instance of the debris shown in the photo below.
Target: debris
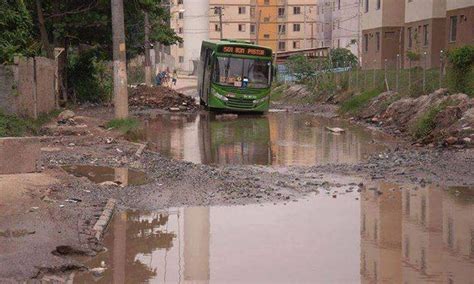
{"x": 335, "y": 129}
{"x": 161, "y": 97}
{"x": 98, "y": 271}
{"x": 451, "y": 140}
{"x": 141, "y": 149}
{"x": 109, "y": 183}
{"x": 66, "y": 116}
{"x": 227, "y": 116}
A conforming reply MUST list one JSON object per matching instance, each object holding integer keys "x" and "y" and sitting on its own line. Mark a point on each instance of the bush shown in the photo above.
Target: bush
{"x": 461, "y": 75}
{"x": 89, "y": 77}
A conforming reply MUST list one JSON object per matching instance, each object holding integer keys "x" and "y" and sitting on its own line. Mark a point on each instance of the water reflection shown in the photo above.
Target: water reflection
{"x": 417, "y": 235}
{"x": 275, "y": 139}
{"x": 96, "y": 174}
{"x": 392, "y": 235}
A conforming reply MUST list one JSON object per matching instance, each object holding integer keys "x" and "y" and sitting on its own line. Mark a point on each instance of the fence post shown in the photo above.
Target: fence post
{"x": 409, "y": 75}
{"x": 385, "y": 75}
{"x": 397, "y": 73}
{"x": 373, "y": 82}
{"x": 441, "y": 65}
{"x": 424, "y": 72}
{"x": 357, "y": 77}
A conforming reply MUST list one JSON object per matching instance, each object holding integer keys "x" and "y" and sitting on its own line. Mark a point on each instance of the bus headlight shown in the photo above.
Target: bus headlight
{"x": 259, "y": 101}
{"x": 219, "y": 96}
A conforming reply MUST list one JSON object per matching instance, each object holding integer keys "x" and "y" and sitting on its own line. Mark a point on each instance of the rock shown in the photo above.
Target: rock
{"x": 335, "y": 129}
{"x": 467, "y": 140}
{"x": 98, "y": 271}
{"x": 451, "y": 140}
{"x": 108, "y": 183}
{"x": 66, "y": 115}
{"x": 378, "y": 105}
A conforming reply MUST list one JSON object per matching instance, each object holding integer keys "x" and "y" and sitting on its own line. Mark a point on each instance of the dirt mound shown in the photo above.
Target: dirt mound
{"x": 378, "y": 105}
{"x": 162, "y": 98}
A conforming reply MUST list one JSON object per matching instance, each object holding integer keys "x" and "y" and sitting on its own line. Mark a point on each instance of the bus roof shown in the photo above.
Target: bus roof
{"x": 233, "y": 42}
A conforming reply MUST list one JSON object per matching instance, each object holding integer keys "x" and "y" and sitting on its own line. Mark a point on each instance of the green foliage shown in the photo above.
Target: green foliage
{"x": 427, "y": 122}
{"x": 461, "y": 75}
{"x": 343, "y": 57}
{"x": 302, "y": 67}
{"x": 89, "y": 77}
{"x": 125, "y": 125}
{"x": 16, "y": 28}
{"x": 14, "y": 126}
{"x": 354, "y": 104}
{"x": 413, "y": 56}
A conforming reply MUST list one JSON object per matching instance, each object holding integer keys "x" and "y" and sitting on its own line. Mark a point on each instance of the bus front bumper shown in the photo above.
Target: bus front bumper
{"x": 238, "y": 104}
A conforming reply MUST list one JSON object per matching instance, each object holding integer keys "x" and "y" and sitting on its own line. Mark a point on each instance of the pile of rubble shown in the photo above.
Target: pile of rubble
{"x": 160, "y": 97}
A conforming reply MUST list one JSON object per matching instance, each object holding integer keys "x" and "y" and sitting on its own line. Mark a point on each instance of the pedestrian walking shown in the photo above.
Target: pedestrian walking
{"x": 175, "y": 78}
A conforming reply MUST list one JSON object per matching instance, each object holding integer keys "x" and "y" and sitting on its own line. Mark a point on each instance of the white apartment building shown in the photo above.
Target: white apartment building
{"x": 346, "y": 31}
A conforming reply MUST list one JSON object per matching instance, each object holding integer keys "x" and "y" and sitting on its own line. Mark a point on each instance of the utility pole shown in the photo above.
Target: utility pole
{"x": 219, "y": 10}
{"x": 147, "y": 51}
{"x": 120, "y": 58}
{"x": 258, "y": 25}
{"x": 304, "y": 26}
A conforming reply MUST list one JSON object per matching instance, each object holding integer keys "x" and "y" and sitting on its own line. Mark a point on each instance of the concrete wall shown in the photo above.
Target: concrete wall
{"x": 458, "y": 4}
{"x": 27, "y": 88}
{"x": 19, "y": 155}
{"x": 196, "y": 29}
{"x": 425, "y": 9}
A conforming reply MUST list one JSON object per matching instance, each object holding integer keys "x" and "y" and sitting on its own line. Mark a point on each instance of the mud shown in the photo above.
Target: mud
{"x": 222, "y": 174}
{"x": 103, "y": 175}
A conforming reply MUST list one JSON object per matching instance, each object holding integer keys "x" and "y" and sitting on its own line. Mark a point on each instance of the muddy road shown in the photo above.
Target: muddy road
{"x": 269, "y": 198}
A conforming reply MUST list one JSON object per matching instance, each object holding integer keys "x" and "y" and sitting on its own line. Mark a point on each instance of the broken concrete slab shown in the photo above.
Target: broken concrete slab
{"x": 19, "y": 155}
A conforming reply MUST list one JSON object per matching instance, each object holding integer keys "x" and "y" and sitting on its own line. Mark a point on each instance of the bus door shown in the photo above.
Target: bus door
{"x": 207, "y": 72}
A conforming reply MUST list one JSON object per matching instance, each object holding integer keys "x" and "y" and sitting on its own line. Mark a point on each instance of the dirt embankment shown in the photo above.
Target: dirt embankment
{"x": 440, "y": 118}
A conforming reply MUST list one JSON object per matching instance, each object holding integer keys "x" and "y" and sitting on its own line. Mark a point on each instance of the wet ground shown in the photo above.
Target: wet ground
{"x": 386, "y": 233}
{"x": 277, "y": 139}
{"x": 101, "y": 175}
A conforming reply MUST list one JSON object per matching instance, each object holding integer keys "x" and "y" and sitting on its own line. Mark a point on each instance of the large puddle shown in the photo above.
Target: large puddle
{"x": 386, "y": 233}
{"x": 100, "y": 175}
{"x": 274, "y": 139}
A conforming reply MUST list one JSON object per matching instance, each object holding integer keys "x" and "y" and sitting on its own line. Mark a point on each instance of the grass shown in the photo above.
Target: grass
{"x": 356, "y": 103}
{"x": 15, "y": 126}
{"x": 427, "y": 122}
{"x": 125, "y": 125}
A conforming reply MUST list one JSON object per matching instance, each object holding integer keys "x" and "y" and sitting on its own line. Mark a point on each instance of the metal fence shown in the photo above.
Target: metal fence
{"x": 408, "y": 77}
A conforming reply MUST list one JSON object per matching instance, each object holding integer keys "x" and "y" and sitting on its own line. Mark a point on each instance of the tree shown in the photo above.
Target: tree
{"x": 342, "y": 57}
{"x": 16, "y": 31}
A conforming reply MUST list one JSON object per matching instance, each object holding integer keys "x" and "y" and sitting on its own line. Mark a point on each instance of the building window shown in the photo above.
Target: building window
{"x": 297, "y": 10}
{"x": 181, "y": 15}
{"x": 252, "y": 12}
{"x": 241, "y": 27}
{"x": 252, "y": 29}
{"x": 339, "y": 4}
{"x": 180, "y": 2}
{"x": 181, "y": 59}
{"x": 282, "y": 29}
{"x": 266, "y": 19}
{"x": 296, "y": 45}
{"x": 217, "y": 28}
{"x": 281, "y": 12}
{"x": 266, "y": 2}
{"x": 296, "y": 27}
{"x": 410, "y": 38}
{"x": 242, "y": 10}
{"x": 180, "y": 30}
{"x": 281, "y": 45}
{"x": 379, "y": 3}
{"x": 425, "y": 35}
{"x": 453, "y": 28}
{"x": 366, "y": 6}
{"x": 180, "y": 45}
{"x": 338, "y": 43}
{"x": 266, "y": 36}
{"x": 366, "y": 43}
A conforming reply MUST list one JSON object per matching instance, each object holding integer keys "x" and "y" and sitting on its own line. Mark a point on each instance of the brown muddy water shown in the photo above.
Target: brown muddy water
{"x": 386, "y": 233}
{"x": 280, "y": 139}
{"x": 96, "y": 174}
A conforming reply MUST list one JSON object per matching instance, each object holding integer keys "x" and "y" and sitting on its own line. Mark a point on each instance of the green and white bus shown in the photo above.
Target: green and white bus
{"x": 235, "y": 76}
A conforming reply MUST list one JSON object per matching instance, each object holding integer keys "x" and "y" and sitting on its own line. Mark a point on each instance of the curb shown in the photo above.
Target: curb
{"x": 104, "y": 220}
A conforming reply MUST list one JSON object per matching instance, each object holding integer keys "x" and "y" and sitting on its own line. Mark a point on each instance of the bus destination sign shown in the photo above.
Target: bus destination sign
{"x": 255, "y": 51}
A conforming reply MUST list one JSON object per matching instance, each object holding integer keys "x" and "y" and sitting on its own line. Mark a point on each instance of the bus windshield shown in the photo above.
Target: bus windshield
{"x": 242, "y": 73}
